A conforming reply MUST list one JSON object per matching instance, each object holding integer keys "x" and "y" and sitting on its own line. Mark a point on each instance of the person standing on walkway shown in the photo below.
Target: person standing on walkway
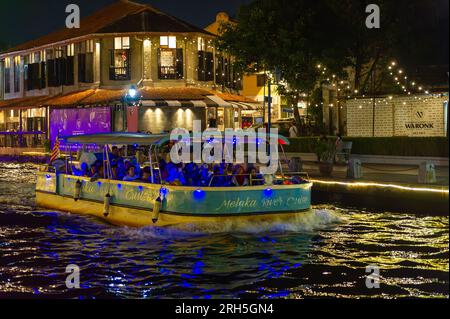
{"x": 293, "y": 130}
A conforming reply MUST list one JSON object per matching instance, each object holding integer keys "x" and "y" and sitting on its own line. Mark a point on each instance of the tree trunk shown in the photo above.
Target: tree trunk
{"x": 297, "y": 112}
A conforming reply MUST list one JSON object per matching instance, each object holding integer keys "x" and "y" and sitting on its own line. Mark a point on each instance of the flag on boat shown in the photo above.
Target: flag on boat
{"x": 56, "y": 151}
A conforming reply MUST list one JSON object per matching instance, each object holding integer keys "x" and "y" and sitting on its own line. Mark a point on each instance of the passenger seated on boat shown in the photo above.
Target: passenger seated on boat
{"x": 131, "y": 174}
{"x": 146, "y": 175}
{"x": 163, "y": 170}
{"x": 176, "y": 176}
{"x": 205, "y": 175}
{"x": 239, "y": 178}
{"x": 115, "y": 153}
{"x": 132, "y": 162}
{"x": 218, "y": 180}
{"x": 115, "y": 172}
{"x": 83, "y": 171}
{"x": 101, "y": 171}
{"x": 255, "y": 178}
{"x": 93, "y": 172}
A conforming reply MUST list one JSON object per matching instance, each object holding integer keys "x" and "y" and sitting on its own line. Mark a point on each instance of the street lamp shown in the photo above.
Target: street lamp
{"x": 132, "y": 98}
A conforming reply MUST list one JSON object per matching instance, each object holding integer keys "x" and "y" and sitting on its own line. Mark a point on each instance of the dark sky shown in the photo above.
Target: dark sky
{"x": 23, "y": 20}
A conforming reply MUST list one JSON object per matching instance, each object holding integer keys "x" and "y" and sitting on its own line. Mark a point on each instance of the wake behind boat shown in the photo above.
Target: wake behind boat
{"x": 154, "y": 201}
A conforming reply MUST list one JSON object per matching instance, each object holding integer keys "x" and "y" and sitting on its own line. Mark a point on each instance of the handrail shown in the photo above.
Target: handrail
{"x": 284, "y": 177}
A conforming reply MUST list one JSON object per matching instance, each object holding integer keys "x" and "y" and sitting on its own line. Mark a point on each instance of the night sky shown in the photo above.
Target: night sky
{"x": 23, "y": 20}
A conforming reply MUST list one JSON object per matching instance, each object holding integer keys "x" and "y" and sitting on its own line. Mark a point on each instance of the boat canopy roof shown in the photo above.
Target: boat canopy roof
{"x": 117, "y": 138}
{"x": 141, "y": 139}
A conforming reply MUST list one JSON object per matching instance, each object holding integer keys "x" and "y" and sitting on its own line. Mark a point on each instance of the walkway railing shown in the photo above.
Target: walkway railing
{"x": 22, "y": 140}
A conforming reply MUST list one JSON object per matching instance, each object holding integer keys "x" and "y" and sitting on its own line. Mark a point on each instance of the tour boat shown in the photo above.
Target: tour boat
{"x": 137, "y": 204}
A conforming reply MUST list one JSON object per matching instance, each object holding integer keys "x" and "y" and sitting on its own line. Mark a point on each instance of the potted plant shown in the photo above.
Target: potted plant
{"x": 326, "y": 152}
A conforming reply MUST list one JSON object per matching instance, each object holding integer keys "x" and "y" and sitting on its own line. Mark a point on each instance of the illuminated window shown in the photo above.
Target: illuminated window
{"x": 60, "y": 52}
{"x": 170, "y": 64}
{"x": 121, "y": 43}
{"x": 71, "y": 50}
{"x": 7, "y": 75}
{"x": 169, "y": 42}
{"x": 201, "y": 44}
{"x": 89, "y": 46}
{"x": 120, "y": 64}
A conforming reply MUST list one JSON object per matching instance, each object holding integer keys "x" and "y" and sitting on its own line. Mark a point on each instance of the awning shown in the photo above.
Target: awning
{"x": 150, "y": 97}
{"x": 248, "y": 106}
{"x": 207, "y": 101}
{"x": 24, "y": 103}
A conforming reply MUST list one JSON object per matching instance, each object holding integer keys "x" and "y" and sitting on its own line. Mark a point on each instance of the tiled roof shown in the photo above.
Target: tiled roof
{"x": 233, "y": 97}
{"x": 26, "y": 102}
{"x": 70, "y": 99}
{"x": 120, "y": 17}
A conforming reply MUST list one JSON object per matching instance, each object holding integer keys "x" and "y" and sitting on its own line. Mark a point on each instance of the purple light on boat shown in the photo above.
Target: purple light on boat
{"x": 199, "y": 194}
{"x": 268, "y": 192}
{"x": 164, "y": 192}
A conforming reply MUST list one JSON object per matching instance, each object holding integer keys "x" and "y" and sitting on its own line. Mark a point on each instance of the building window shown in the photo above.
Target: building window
{"x": 205, "y": 66}
{"x": 201, "y": 44}
{"x": 60, "y": 53}
{"x": 170, "y": 59}
{"x": 86, "y": 62}
{"x": 168, "y": 42}
{"x": 226, "y": 75}
{"x": 170, "y": 64}
{"x": 60, "y": 68}
{"x": 121, "y": 43}
{"x": 7, "y": 75}
{"x": 120, "y": 67}
{"x": 17, "y": 74}
{"x": 71, "y": 50}
{"x": 260, "y": 80}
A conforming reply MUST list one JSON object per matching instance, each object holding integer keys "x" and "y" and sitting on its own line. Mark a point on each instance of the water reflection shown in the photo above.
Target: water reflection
{"x": 322, "y": 254}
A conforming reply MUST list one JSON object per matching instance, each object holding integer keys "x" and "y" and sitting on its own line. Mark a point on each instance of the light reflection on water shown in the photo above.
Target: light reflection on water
{"x": 322, "y": 254}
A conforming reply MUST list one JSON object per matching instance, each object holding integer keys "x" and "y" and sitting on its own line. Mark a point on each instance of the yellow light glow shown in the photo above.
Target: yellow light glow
{"x": 361, "y": 184}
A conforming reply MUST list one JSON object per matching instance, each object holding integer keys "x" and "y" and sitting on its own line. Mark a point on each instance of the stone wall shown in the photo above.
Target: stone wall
{"x": 422, "y": 115}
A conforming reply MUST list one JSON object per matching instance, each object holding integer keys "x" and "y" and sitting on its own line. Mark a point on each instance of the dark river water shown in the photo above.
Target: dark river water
{"x": 323, "y": 254}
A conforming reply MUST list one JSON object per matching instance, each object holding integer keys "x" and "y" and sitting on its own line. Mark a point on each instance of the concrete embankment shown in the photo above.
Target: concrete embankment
{"x": 387, "y": 183}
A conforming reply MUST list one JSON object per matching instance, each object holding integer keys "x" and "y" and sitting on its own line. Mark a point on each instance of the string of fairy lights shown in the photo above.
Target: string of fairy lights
{"x": 207, "y": 46}
{"x": 404, "y": 83}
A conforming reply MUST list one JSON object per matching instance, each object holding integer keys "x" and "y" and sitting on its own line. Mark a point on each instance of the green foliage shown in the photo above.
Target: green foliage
{"x": 388, "y": 146}
{"x": 326, "y": 150}
{"x": 291, "y": 37}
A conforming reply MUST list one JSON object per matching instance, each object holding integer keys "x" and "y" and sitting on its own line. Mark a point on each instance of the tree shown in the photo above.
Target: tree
{"x": 3, "y": 46}
{"x": 292, "y": 37}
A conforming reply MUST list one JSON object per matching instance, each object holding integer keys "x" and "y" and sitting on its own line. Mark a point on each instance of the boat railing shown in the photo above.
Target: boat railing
{"x": 301, "y": 174}
{"x": 262, "y": 181}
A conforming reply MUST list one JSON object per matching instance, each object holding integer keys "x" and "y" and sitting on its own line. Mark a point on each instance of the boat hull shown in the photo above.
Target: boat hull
{"x": 132, "y": 204}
